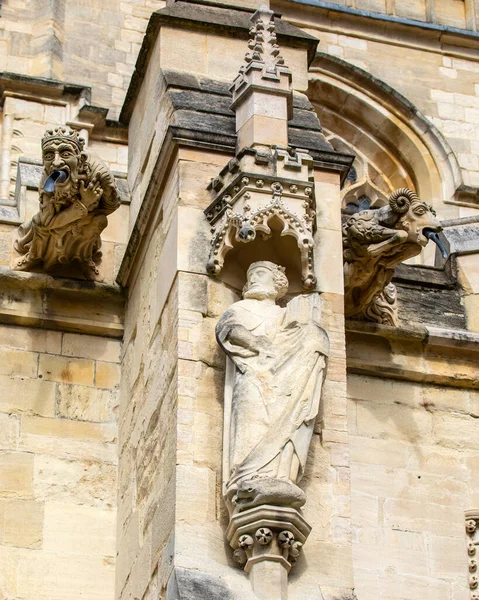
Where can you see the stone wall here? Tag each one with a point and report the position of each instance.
(413, 474)
(87, 42)
(58, 463)
(438, 75)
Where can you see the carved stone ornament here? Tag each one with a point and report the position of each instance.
(275, 367)
(374, 242)
(258, 192)
(77, 192)
(472, 531)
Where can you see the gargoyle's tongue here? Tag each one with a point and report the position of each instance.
(432, 235)
(58, 176)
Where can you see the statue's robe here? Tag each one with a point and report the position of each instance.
(273, 397)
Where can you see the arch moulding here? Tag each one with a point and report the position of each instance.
(370, 115)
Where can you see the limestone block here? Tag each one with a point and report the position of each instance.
(85, 403)
(418, 588)
(9, 428)
(193, 54)
(68, 429)
(66, 370)
(73, 577)
(390, 453)
(423, 516)
(73, 529)
(261, 104)
(393, 421)
(328, 261)
(19, 363)
(384, 390)
(365, 510)
(93, 347)
(107, 375)
(455, 431)
(16, 475)
(263, 130)
(23, 524)
(34, 340)
(118, 226)
(328, 201)
(86, 482)
(196, 492)
(469, 272)
(390, 558)
(27, 396)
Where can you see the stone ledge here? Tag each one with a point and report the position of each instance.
(420, 353)
(36, 300)
(434, 336)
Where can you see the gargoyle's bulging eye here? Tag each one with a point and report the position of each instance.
(419, 211)
(48, 156)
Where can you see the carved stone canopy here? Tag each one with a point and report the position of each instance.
(257, 192)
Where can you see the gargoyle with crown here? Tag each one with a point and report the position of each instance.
(77, 192)
(374, 243)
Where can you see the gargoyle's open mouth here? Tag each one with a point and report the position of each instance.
(56, 176)
(431, 234)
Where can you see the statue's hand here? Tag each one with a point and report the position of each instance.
(90, 195)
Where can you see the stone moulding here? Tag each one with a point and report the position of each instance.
(332, 80)
(472, 532)
(260, 191)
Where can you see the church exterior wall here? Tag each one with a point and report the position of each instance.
(111, 415)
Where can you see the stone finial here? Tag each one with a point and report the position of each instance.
(77, 192)
(262, 94)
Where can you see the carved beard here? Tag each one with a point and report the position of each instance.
(260, 293)
(66, 195)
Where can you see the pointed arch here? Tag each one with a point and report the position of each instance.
(389, 131)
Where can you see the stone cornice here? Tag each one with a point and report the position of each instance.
(36, 300)
(421, 353)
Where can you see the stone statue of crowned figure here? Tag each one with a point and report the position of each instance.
(77, 192)
(275, 368)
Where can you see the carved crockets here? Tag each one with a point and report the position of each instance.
(374, 242)
(77, 192)
(472, 531)
(275, 367)
(257, 193)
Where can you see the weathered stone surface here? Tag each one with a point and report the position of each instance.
(187, 584)
(71, 235)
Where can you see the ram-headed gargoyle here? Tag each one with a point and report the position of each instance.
(374, 242)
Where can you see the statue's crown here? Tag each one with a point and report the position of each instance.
(61, 133)
(271, 266)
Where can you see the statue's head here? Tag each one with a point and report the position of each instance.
(265, 279)
(62, 149)
(414, 215)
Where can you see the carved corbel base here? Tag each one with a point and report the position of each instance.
(267, 540)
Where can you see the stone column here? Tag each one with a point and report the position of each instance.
(174, 530)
